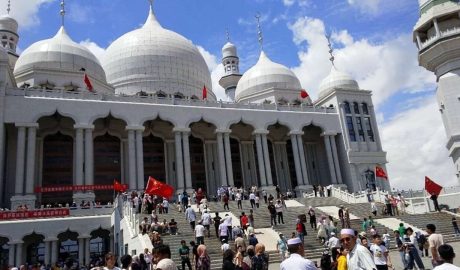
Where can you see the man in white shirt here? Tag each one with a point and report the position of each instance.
(296, 260)
(359, 257)
(333, 244)
(446, 252)
(206, 220)
(199, 233)
(223, 231)
(435, 240)
(224, 246)
(380, 253)
(279, 211)
(190, 216)
(252, 199)
(238, 197)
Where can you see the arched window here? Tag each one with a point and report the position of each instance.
(282, 101)
(161, 94)
(4, 37)
(351, 129)
(178, 96)
(356, 107)
(365, 109)
(347, 107)
(194, 97)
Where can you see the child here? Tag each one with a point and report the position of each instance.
(342, 259)
(386, 238)
(380, 253)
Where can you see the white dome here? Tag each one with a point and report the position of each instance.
(229, 50)
(59, 54)
(7, 23)
(339, 80)
(264, 75)
(153, 59)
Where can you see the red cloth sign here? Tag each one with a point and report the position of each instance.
(77, 188)
(155, 187)
(432, 187)
(43, 213)
(118, 187)
(379, 172)
(304, 94)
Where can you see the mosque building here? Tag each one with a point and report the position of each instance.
(147, 108)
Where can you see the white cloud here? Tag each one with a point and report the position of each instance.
(415, 142)
(366, 6)
(301, 3)
(386, 68)
(217, 71)
(94, 48)
(25, 11)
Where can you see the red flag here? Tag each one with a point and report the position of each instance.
(431, 187)
(205, 93)
(155, 187)
(118, 187)
(379, 172)
(304, 94)
(89, 86)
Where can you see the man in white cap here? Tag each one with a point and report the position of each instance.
(296, 261)
(359, 257)
(333, 244)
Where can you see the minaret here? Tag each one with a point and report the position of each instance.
(9, 35)
(231, 63)
(437, 36)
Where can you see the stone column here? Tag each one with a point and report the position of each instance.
(54, 250)
(228, 159)
(87, 254)
(19, 259)
(140, 159)
(11, 254)
(78, 156)
(20, 152)
(303, 163)
(436, 27)
(31, 151)
(260, 160)
(268, 169)
(335, 155)
(179, 161)
(81, 250)
(187, 169)
(330, 160)
(132, 160)
(346, 134)
(221, 155)
(295, 152)
(89, 156)
(375, 128)
(47, 254)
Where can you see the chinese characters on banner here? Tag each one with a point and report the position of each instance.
(8, 215)
(76, 188)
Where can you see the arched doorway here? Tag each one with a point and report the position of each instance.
(34, 248)
(315, 156)
(68, 246)
(236, 162)
(4, 251)
(57, 167)
(99, 244)
(279, 162)
(107, 164)
(242, 145)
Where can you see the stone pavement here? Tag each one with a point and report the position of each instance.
(397, 260)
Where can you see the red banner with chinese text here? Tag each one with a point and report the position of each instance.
(43, 213)
(77, 188)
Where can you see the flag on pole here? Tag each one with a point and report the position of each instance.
(155, 187)
(205, 93)
(304, 94)
(432, 187)
(379, 172)
(87, 81)
(118, 187)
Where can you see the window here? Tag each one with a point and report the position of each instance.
(347, 107)
(161, 95)
(365, 109)
(351, 129)
(356, 107)
(359, 123)
(178, 96)
(369, 131)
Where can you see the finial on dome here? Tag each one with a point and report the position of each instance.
(8, 9)
(259, 32)
(227, 34)
(151, 4)
(62, 12)
(331, 49)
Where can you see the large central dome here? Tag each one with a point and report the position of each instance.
(155, 60)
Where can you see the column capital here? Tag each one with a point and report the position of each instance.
(135, 128)
(83, 126)
(179, 129)
(328, 133)
(14, 242)
(260, 132)
(26, 125)
(295, 132)
(223, 131)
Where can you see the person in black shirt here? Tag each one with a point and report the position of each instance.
(272, 210)
(184, 253)
(217, 219)
(227, 263)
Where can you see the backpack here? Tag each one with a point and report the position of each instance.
(260, 262)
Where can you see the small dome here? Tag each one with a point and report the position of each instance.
(339, 80)
(265, 75)
(7, 23)
(229, 50)
(153, 59)
(59, 53)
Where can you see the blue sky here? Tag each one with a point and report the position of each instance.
(372, 39)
